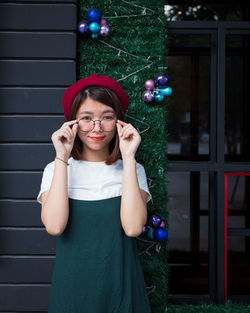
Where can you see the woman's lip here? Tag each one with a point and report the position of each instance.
(97, 138)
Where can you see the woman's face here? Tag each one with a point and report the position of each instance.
(97, 138)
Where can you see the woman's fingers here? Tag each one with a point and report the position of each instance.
(66, 129)
(69, 123)
(126, 128)
(127, 133)
(74, 129)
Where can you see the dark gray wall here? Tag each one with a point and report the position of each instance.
(37, 63)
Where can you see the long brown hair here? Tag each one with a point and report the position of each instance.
(105, 96)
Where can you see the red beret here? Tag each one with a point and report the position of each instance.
(93, 80)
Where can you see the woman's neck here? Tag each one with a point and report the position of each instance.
(94, 156)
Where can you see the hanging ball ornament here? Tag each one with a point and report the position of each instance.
(149, 84)
(160, 234)
(83, 28)
(156, 89)
(159, 97)
(104, 31)
(155, 228)
(162, 224)
(161, 80)
(95, 25)
(144, 229)
(155, 220)
(147, 96)
(166, 91)
(150, 233)
(94, 15)
(103, 22)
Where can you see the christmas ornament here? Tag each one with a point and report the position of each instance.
(154, 220)
(157, 89)
(150, 233)
(160, 234)
(95, 25)
(155, 228)
(83, 27)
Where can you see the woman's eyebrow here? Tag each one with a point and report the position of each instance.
(91, 113)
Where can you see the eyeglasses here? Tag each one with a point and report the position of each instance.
(107, 123)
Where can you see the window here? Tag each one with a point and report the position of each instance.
(208, 136)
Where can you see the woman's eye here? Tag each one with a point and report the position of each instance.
(108, 117)
(86, 118)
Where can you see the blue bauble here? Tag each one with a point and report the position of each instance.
(161, 80)
(155, 220)
(83, 27)
(94, 27)
(94, 15)
(150, 233)
(160, 234)
(166, 91)
(159, 97)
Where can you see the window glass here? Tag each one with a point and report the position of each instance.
(188, 232)
(188, 107)
(237, 114)
(238, 246)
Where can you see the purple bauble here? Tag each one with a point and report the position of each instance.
(149, 84)
(147, 96)
(94, 15)
(103, 22)
(161, 80)
(83, 27)
(162, 224)
(160, 234)
(104, 31)
(144, 229)
(155, 220)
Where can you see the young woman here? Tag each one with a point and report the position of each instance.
(94, 199)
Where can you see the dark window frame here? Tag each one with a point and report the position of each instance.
(216, 166)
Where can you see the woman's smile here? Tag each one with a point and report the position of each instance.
(97, 138)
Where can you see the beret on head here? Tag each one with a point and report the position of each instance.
(93, 80)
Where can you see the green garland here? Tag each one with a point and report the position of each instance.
(143, 36)
(209, 308)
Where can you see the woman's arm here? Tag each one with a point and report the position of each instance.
(55, 204)
(134, 200)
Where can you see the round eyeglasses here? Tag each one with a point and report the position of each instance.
(107, 123)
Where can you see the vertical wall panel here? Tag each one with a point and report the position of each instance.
(37, 63)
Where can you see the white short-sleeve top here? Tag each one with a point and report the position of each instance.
(93, 180)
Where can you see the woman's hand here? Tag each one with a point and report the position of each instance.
(129, 139)
(63, 139)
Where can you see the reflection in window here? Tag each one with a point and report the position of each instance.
(238, 246)
(237, 129)
(188, 232)
(188, 111)
(176, 11)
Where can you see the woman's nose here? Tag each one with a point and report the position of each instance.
(97, 125)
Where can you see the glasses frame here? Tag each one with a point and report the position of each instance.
(100, 122)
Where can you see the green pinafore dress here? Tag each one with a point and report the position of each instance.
(97, 267)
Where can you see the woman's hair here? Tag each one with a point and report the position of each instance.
(105, 96)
